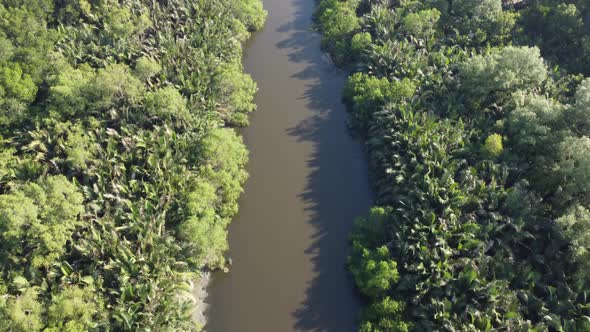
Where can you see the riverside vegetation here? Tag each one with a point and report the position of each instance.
(119, 167)
(476, 117)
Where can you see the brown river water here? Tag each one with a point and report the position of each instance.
(308, 182)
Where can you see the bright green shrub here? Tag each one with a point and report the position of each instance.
(360, 44)
(14, 83)
(250, 13)
(367, 94)
(339, 22)
(385, 315)
(146, 68)
(59, 206)
(375, 272)
(236, 94)
(166, 103)
(493, 146)
(225, 156)
(112, 85)
(22, 313)
(79, 147)
(75, 309)
(68, 94)
(204, 230)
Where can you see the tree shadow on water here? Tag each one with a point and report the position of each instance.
(337, 189)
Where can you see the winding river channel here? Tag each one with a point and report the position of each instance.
(308, 182)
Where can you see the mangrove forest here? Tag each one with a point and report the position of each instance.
(120, 167)
(412, 165)
(475, 116)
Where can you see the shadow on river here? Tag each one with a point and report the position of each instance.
(308, 182)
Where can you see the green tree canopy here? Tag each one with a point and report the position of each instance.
(502, 72)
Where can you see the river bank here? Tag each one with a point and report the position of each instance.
(198, 291)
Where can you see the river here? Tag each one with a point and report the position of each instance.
(308, 182)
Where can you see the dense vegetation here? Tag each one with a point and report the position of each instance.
(476, 115)
(119, 167)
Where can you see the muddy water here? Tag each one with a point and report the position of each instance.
(308, 181)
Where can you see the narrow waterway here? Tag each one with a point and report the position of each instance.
(308, 181)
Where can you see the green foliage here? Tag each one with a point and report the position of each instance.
(578, 116)
(226, 157)
(478, 155)
(59, 205)
(6, 49)
(493, 146)
(74, 309)
(482, 21)
(114, 85)
(22, 313)
(503, 72)
(560, 29)
(573, 168)
(421, 24)
(205, 229)
(17, 212)
(207, 236)
(166, 103)
(482, 10)
(534, 130)
(236, 93)
(68, 91)
(120, 21)
(16, 84)
(532, 125)
(381, 21)
(360, 43)
(39, 220)
(117, 177)
(8, 165)
(17, 91)
(146, 68)
(250, 13)
(76, 91)
(574, 226)
(368, 93)
(79, 148)
(339, 22)
(376, 273)
(385, 316)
